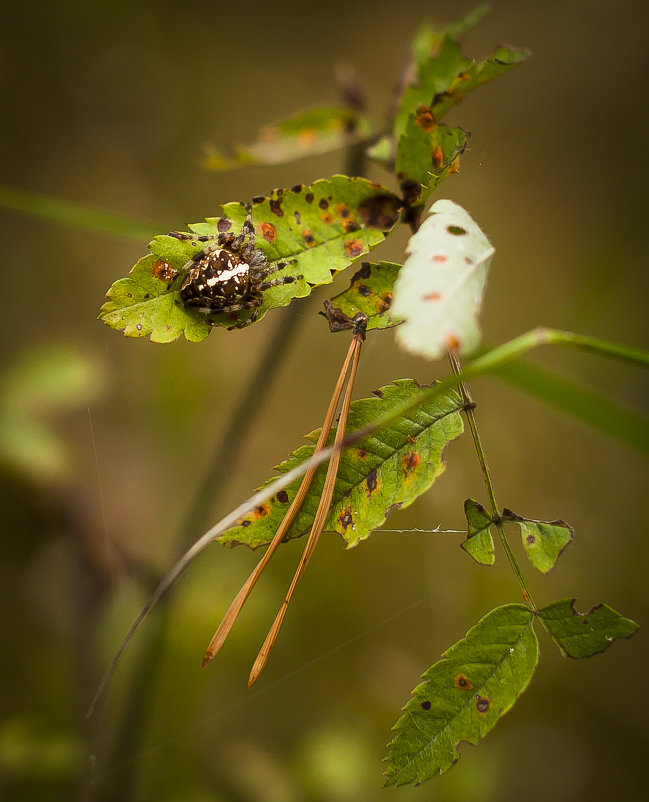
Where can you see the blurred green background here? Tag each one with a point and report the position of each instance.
(105, 441)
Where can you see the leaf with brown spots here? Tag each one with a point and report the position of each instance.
(288, 230)
(582, 635)
(463, 695)
(370, 293)
(544, 541)
(307, 133)
(439, 290)
(371, 478)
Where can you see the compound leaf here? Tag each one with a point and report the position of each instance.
(439, 289)
(543, 541)
(370, 293)
(426, 155)
(315, 231)
(382, 472)
(582, 635)
(479, 543)
(464, 694)
(304, 134)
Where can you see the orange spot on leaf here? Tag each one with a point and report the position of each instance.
(432, 296)
(346, 519)
(307, 136)
(452, 342)
(384, 303)
(261, 512)
(410, 463)
(354, 248)
(163, 271)
(268, 231)
(308, 237)
(327, 218)
(438, 157)
(425, 119)
(361, 453)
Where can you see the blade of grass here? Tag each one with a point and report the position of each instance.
(77, 215)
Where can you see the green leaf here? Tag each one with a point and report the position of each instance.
(543, 541)
(479, 543)
(442, 81)
(316, 231)
(584, 403)
(464, 694)
(426, 155)
(370, 293)
(585, 634)
(305, 134)
(439, 289)
(385, 471)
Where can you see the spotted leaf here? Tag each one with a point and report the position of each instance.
(582, 635)
(479, 543)
(314, 231)
(543, 541)
(463, 695)
(439, 289)
(380, 473)
(370, 293)
(426, 155)
(305, 134)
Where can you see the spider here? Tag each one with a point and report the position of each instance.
(229, 275)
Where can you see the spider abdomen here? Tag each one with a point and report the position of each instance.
(217, 279)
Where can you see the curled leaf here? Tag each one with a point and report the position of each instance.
(479, 543)
(370, 292)
(439, 289)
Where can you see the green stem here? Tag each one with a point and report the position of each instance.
(469, 411)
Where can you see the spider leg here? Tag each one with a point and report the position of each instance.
(183, 235)
(247, 230)
(277, 282)
(270, 269)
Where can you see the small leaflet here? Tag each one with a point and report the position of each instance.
(543, 541)
(439, 289)
(581, 635)
(479, 543)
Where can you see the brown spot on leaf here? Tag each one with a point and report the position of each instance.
(297, 188)
(364, 290)
(361, 453)
(397, 505)
(309, 197)
(438, 157)
(482, 704)
(282, 496)
(531, 540)
(379, 211)
(425, 119)
(163, 271)
(224, 224)
(426, 704)
(411, 190)
(262, 511)
(410, 463)
(385, 302)
(245, 522)
(276, 207)
(268, 231)
(342, 210)
(346, 519)
(454, 167)
(411, 439)
(298, 219)
(372, 482)
(323, 203)
(258, 198)
(463, 682)
(350, 225)
(354, 248)
(308, 237)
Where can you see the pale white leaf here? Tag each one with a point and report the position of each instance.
(439, 290)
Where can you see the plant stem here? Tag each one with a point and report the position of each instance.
(469, 411)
